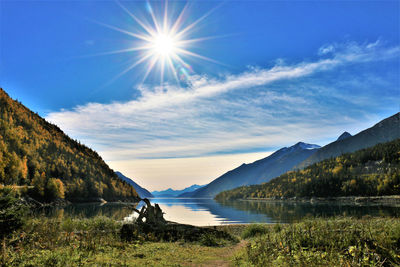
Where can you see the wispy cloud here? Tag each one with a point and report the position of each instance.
(259, 109)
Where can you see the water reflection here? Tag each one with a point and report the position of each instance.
(200, 212)
(287, 212)
(204, 212)
(88, 210)
(210, 212)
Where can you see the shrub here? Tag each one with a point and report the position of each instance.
(210, 240)
(255, 230)
(12, 212)
(54, 189)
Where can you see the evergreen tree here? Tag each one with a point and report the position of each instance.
(12, 212)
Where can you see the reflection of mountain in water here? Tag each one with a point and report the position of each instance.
(286, 212)
(231, 213)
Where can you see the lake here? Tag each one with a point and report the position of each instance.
(204, 212)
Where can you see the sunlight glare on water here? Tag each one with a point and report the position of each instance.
(186, 211)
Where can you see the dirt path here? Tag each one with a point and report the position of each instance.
(226, 256)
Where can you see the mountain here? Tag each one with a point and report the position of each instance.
(143, 193)
(176, 193)
(374, 171)
(38, 154)
(344, 136)
(260, 171)
(189, 192)
(384, 131)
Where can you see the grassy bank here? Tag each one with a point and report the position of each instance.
(323, 242)
(314, 242)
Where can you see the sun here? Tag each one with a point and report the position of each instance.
(165, 45)
(163, 42)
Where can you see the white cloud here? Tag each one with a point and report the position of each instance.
(326, 49)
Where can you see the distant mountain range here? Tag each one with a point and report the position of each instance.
(259, 171)
(382, 132)
(300, 156)
(176, 193)
(143, 193)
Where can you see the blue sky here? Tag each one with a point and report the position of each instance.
(288, 71)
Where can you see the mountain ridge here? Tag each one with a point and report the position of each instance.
(176, 193)
(344, 136)
(143, 192)
(385, 130)
(259, 171)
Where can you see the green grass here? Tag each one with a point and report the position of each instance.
(313, 242)
(255, 230)
(146, 254)
(97, 242)
(324, 242)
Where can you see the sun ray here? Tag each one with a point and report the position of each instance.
(142, 59)
(139, 36)
(178, 58)
(150, 67)
(171, 64)
(178, 21)
(191, 26)
(126, 50)
(154, 18)
(165, 23)
(183, 51)
(147, 28)
(196, 40)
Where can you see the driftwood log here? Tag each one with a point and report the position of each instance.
(152, 214)
(151, 224)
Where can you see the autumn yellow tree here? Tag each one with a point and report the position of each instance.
(54, 189)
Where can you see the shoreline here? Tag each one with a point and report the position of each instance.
(378, 200)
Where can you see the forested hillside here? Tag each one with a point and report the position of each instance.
(36, 153)
(373, 171)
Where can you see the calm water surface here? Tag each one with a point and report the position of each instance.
(204, 212)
